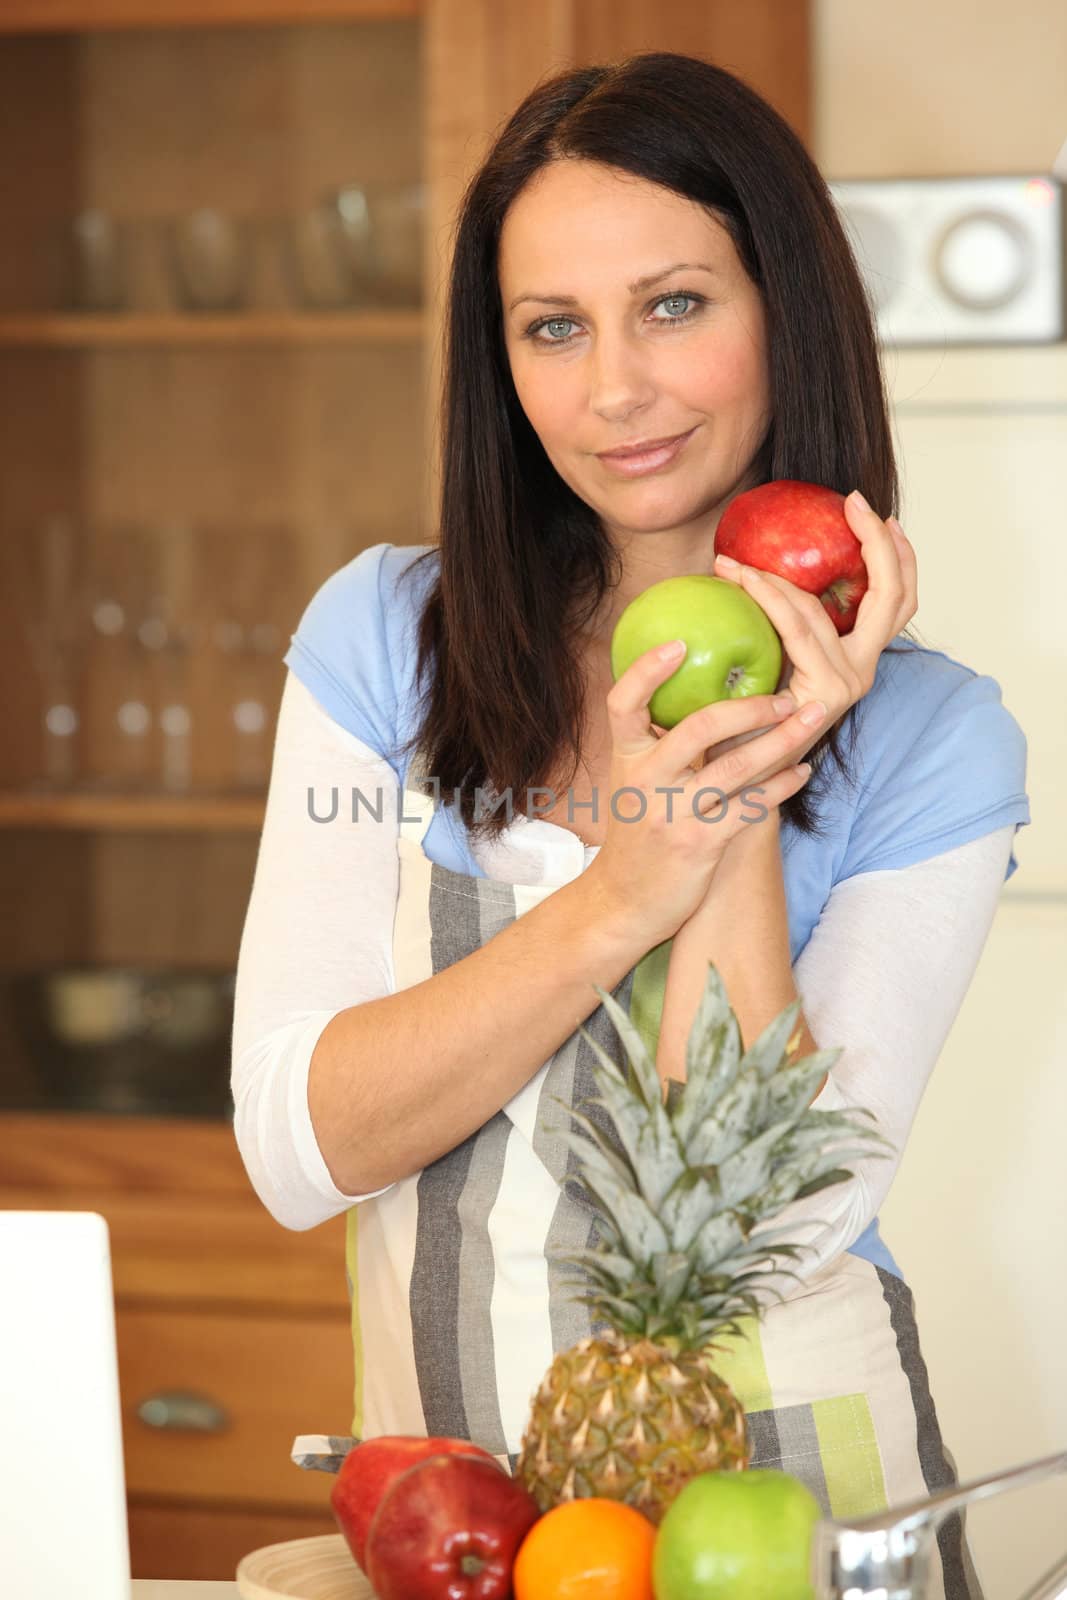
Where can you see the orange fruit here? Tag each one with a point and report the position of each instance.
(592, 1549)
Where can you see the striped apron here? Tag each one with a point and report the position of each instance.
(459, 1301)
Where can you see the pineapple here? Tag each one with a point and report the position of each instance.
(635, 1412)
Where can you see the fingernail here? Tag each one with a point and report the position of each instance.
(675, 648)
(813, 713)
(728, 562)
(860, 501)
(783, 702)
(893, 523)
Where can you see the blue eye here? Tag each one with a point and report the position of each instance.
(695, 300)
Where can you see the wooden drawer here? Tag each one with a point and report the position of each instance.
(207, 1250)
(208, 1541)
(272, 1377)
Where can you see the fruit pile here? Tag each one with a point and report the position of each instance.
(634, 1477)
(438, 1519)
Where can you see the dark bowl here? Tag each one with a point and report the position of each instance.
(124, 1039)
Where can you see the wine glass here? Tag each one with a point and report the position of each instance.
(45, 575)
(257, 591)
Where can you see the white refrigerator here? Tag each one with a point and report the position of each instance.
(977, 1217)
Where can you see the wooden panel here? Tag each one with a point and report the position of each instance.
(40, 399)
(143, 898)
(86, 1153)
(273, 1377)
(207, 1541)
(765, 42)
(79, 811)
(45, 884)
(68, 330)
(76, 15)
(252, 121)
(208, 1250)
(39, 178)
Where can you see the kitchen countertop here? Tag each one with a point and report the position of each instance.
(182, 1589)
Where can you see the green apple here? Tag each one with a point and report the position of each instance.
(737, 1536)
(732, 649)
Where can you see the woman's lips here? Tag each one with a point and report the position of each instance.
(648, 460)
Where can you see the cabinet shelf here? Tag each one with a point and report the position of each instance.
(37, 16)
(62, 331)
(131, 813)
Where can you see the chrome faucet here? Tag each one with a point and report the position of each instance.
(887, 1556)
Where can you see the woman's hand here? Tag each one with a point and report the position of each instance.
(820, 663)
(666, 827)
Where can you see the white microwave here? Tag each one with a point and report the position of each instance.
(974, 260)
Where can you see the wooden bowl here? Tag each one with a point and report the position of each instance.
(302, 1569)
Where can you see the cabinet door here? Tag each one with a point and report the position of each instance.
(983, 506)
(205, 1542)
(259, 1380)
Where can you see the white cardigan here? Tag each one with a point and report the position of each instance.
(317, 939)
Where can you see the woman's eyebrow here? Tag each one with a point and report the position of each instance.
(633, 288)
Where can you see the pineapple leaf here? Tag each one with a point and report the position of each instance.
(712, 1056)
(824, 1123)
(646, 1078)
(620, 1313)
(646, 1133)
(750, 1167)
(824, 1181)
(767, 1052)
(640, 1231)
(725, 1131)
(607, 1267)
(598, 1157)
(692, 1199)
(718, 1235)
(670, 1274)
(786, 1182)
(789, 1091)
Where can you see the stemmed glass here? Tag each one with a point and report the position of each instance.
(117, 600)
(170, 629)
(45, 575)
(256, 591)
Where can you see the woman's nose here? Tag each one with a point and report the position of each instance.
(619, 379)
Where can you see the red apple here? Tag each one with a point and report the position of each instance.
(799, 531)
(368, 1470)
(448, 1529)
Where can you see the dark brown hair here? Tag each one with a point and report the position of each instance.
(522, 558)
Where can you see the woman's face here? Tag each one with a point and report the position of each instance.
(599, 363)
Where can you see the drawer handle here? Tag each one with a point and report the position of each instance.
(183, 1412)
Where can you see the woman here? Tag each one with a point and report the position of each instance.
(646, 253)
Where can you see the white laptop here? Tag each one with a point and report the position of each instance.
(63, 1533)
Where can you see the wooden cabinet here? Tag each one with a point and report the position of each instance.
(225, 436)
(233, 1334)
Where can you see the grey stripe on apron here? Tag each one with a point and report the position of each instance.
(452, 1278)
(961, 1580)
(780, 1436)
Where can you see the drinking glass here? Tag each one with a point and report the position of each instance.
(396, 215)
(319, 266)
(95, 262)
(210, 256)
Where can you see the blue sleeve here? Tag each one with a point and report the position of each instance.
(341, 652)
(950, 767)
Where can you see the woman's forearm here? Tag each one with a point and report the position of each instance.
(742, 926)
(396, 1082)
